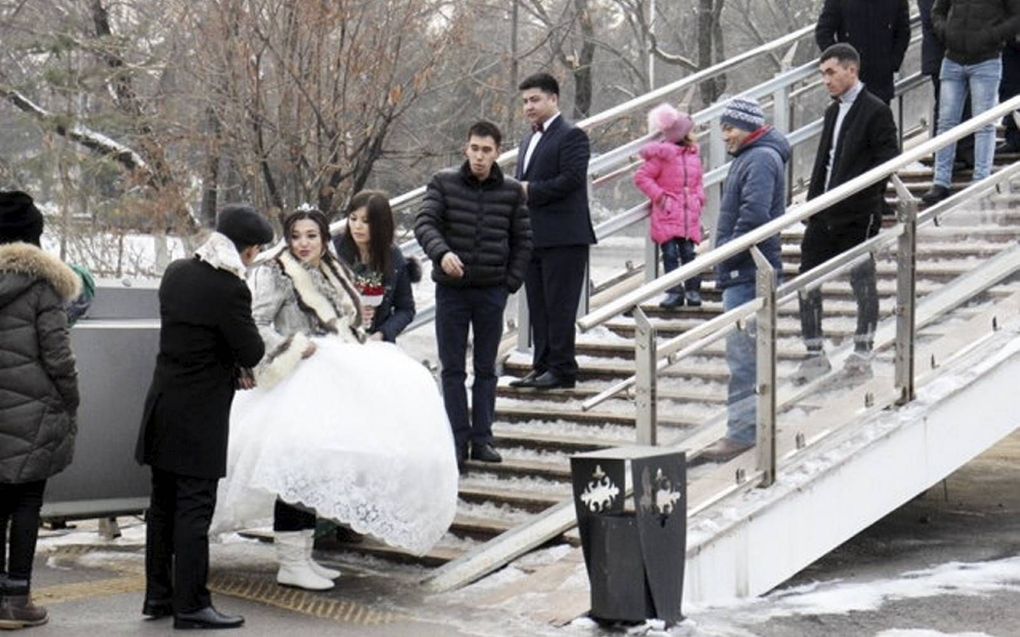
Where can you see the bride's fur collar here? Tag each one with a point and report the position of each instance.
(314, 301)
(32, 261)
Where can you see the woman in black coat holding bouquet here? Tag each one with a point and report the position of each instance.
(382, 274)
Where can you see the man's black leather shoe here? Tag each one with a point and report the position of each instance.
(485, 453)
(158, 608)
(526, 381)
(207, 618)
(461, 459)
(550, 380)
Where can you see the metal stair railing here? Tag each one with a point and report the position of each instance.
(769, 295)
(778, 93)
(615, 159)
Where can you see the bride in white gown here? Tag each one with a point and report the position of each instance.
(339, 426)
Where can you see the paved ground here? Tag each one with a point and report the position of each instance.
(868, 586)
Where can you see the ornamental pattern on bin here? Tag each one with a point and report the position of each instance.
(600, 492)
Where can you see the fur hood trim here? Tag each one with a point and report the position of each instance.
(281, 362)
(32, 261)
(666, 150)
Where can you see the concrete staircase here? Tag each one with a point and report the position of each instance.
(538, 431)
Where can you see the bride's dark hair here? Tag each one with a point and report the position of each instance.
(315, 215)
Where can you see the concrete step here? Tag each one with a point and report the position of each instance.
(511, 495)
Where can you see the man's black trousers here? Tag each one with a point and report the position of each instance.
(554, 281)
(177, 540)
(481, 311)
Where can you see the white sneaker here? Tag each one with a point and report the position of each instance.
(814, 366)
(295, 563)
(858, 365)
(319, 569)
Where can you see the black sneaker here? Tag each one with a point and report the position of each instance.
(672, 301)
(935, 195)
(693, 299)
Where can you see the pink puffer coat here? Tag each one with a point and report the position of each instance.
(673, 175)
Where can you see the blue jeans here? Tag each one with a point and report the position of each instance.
(741, 358)
(675, 252)
(982, 80)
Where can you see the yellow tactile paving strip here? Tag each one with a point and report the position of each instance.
(259, 589)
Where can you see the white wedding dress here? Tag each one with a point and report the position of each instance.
(358, 433)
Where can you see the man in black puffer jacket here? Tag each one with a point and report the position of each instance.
(474, 227)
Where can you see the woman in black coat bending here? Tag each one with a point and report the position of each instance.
(381, 272)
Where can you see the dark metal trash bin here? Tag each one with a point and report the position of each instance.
(634, 556)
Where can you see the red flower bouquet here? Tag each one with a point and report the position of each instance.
(370, 285)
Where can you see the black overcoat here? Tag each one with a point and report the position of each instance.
(878, 29)
(557, 177)
(867, 138)
(207, 331)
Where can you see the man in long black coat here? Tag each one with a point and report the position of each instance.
(207, 336)
(859, 134)
(878, 29)
(553, 168)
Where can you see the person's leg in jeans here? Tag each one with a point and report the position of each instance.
(1010, 87)
(815, 249)
(742, 363)
(671, 260)
(487, 329)
(862, 281)
(984, 93)
(453, 317)
(687, 254)
(23, 503)
(952, 90)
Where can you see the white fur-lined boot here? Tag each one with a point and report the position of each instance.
(293, 553)
(319, 569)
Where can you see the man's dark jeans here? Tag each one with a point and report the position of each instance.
(820, 244)
(481, 310)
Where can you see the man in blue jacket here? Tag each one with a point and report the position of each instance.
(754, 194)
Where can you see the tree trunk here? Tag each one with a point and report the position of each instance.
(710, 47)
(583, 64)
(211, 174)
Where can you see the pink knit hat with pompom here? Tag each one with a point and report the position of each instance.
(673, 124)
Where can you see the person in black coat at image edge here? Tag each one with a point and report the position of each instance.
(207, 340)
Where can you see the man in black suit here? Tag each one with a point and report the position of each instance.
(553, 169)
(207, 338)
(859, 134)
(878, 29)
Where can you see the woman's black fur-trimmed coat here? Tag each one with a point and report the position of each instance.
(38, 380)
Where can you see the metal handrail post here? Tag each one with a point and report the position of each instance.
(651, 253)
(523, 322)
(906, 296)
(716, 159)
(765, 387)
(646, 381)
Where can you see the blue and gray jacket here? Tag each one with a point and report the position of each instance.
(754, 193)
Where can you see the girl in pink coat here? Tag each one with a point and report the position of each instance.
(671, 177)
